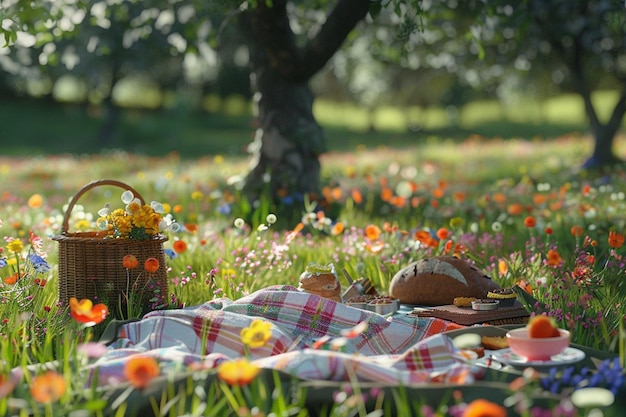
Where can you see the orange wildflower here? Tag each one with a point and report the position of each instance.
(553, 258)
(539, 199)
(178, 208)
(426, 239)
(459, 196)
(191, 227)
(130, 262)
(337, 229)
(503, 267)
(448, 247)
(438, 192)
(48, 387)
(84, 311)
(237, 372)
(397, 201)
(443, 233)
(530, 221)
(515, 209)
(11, 280)
(140, 370)
(616, 240)
(525, 285)
(151, 265)
(499, 198)
(484, 408)
(336, 193)
(372, 232)
(35, 201)
(357, 197)
(386, 194)
(179, 246)
(415, 202)
(576, 230)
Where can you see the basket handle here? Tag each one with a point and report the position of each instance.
(89, 186)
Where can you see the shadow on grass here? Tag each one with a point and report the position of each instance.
(43, 127)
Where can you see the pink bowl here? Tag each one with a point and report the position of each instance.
(537, 349)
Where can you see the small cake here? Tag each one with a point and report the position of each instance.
(321, 280)
(506, 296)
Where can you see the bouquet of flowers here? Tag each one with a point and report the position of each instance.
(136, 221)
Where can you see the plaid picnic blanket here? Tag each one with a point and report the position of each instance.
(400, 349)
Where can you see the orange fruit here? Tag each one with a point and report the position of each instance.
(542, 326)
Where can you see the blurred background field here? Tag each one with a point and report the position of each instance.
(36, 127)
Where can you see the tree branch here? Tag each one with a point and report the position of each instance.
(269, 26)
(340, 22)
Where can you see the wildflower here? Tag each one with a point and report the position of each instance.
(151, 265)
(372, 232)
(553, 258)
(257, 334)
(15, 246)
(456, 222)
(515, 209)
(503, 267)
(271, 218)
(548, 230)
(443, 233)
(357, 197)
(337, 229)
(616, 240)
(130, 262)
(85, 312)
(39, 264)
(530, 221)
(237, 372)
(576, 231)
(48, 387)
(484, 408)
(140, 370)
(35, 201)
(239, 223)
(11, 280)
(179, 246)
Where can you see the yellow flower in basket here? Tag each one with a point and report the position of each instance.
(136, 221)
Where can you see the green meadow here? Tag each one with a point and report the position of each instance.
(480, 180)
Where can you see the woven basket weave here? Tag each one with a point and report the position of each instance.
(90, 263)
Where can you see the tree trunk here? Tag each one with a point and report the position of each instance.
(604, 133)
(288, 142)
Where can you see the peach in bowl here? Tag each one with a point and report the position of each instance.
(537, 348)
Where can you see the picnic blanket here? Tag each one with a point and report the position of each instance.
(400, 349)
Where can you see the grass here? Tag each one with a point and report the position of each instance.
(480, 188)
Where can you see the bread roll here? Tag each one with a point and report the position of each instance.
(438, 281)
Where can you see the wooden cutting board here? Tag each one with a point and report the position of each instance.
(516, 314)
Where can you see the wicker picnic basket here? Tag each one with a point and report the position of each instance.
(90, 263)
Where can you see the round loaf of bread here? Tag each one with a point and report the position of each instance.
(438, 281)
(321, 280)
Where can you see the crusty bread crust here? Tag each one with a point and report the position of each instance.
(438, 280)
